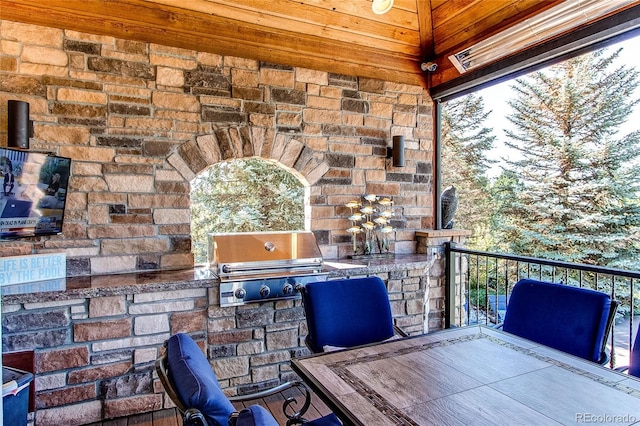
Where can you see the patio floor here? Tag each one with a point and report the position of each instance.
(171, 416)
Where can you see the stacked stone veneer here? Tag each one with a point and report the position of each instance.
(140, 120)
(95, 356)
(431, 243)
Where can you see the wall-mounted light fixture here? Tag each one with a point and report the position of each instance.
(19, 127)
(380, 7)
(397, 151)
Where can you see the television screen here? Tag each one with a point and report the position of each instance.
(33, 193)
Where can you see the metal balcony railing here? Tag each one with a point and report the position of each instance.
(478, 286)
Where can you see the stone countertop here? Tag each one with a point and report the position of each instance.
(373, 265)
(153, 281)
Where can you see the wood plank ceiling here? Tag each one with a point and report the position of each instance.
(341, 36)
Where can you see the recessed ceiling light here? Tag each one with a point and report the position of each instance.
(381, 6)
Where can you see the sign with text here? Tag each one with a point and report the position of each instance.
(32, 268)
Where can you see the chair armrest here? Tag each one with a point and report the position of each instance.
(295, 417)
(254, 415)
(193, 417)
(400, 331)
(268, 392)
(604, 357)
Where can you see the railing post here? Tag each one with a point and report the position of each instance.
(449, 285)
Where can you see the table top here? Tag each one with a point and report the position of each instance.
(471, 375)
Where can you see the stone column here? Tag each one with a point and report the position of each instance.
(431, 243)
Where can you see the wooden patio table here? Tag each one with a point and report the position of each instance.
(471, 375)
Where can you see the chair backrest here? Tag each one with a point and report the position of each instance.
(571, 319)
(634, 361)
(193, 380)
(347, 312)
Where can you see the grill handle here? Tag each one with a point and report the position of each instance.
(259, 267)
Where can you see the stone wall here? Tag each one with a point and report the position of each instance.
(140, 120)
(95, 356)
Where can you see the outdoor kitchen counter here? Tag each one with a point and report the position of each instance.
(375, 265)
(157, 281)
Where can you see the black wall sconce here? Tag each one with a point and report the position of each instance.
(397, 151)
(19, 127)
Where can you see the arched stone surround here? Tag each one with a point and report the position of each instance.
(230, 143)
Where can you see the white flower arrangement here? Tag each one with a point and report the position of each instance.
(371, 218)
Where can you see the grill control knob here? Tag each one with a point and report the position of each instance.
(287, 289)
(298, 288)
(240, 293)
(264, 291)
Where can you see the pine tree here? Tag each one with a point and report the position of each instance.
(464, 162)
(575, 198)
(502, 230)
(244, 195)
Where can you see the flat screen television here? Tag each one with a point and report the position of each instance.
(33, 193)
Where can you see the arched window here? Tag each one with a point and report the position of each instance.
(246, 195)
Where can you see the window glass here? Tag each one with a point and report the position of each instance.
(546, 165)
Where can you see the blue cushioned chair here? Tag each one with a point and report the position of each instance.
(571, 319)
(191, 383)
(347, 312)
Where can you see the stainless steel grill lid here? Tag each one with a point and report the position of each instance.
(263, 266)
(263, 252)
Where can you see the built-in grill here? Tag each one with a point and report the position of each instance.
(264, 266)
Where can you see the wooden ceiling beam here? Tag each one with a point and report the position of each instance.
(425, 20)
(144, 21)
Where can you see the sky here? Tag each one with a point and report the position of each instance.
(496, 97)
